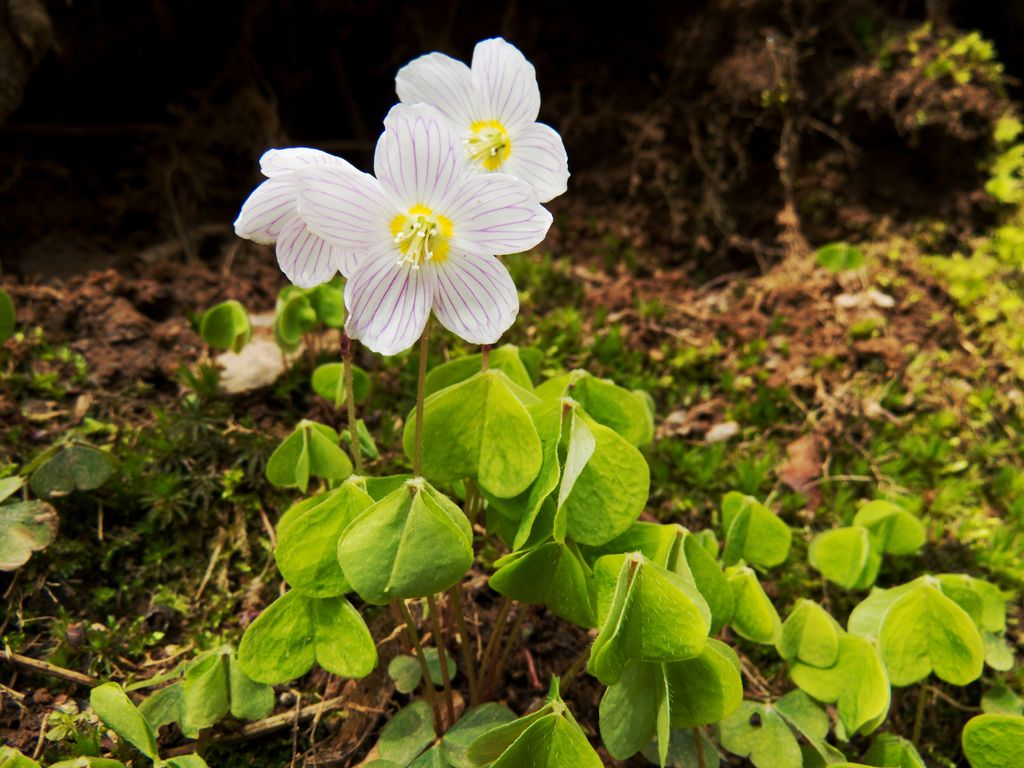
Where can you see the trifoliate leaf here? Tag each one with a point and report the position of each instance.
(629, 709)
(1000, 700)
(754, 617)
(407, 734)
(807, 719)
(75, 467)
(619, 409)
(646, 613)
(116, 710)
(479, 428)
(164, 706)
(892, 750)
(983, 601)
(412, 543)
(810, 635)
(856, 683)
(924, 631)
(405, 672)
(506, 358)
(25, 527)
(552, 741)
(896, 531)
(311, 450)
(308, 535)
(683, 751)
(523, 509)
(293, 318)
(757, 732)
(845, 556)
(205, 697)
(328, 301)
(551, 574)
(709, 578)
(473, 724)
(754, 533)
(866, 618)
(605, 483)
(295, 631)
(329, 382)
(993, 741)
(226, 326)
(706, 688)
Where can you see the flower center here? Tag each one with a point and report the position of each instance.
(421, 235)
(488, 144)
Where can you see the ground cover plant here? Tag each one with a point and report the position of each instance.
(498, 512)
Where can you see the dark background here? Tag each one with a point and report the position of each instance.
(143, 121)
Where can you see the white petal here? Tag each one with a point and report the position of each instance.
(277, 161)
(419, 157)
(475, 297)
(442, 82)
(507, 82)
(349, 261)
(388, 303)
(344, 206)
(538, 157)
(494, 213)
(266, 211)
(306, 259)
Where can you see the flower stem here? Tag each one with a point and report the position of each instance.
(915, 735)
(428, 684)
(467, 652)
(698, 743)
(513, 636)
(442, 656)
(420, 389)
(485, 357)
(350, 398)
(498, 628)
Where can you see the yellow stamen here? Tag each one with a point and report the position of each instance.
(488, 144)
(421, 235)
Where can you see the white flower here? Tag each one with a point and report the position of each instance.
(271, 215)
(494, 107)
(427, 229)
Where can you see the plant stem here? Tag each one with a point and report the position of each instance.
(420, 389)
(915, 735)
(513, 636)
(467, 652)
(578, 665)
(442, 656)
(698, 743)
(350, 399)
(485, 357)
(497, 630)
(428, 685)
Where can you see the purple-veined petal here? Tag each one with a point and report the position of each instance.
(306, 259)
(277, 161)
(538, 158)
(349, 261)
(266, 211)
(419, 157)
(388, 302)
(475, 297)
(507, 83)
(442, 82)
(344, 206)
(494, 213)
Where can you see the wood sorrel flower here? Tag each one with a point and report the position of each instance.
(270, 215)
(494, 108)
(426, 229)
